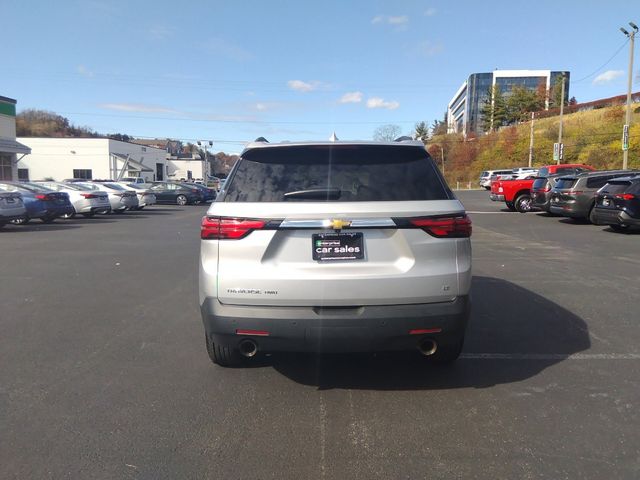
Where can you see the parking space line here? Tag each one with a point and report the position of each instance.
(550, 356)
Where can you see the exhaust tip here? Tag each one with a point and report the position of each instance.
(248, 348)
(427, 347)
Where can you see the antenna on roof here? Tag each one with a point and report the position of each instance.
(261, 139)
(333, 137)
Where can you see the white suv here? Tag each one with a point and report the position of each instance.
(305, 250)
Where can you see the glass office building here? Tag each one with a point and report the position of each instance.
(464, 110)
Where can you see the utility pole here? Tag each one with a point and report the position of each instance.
(442, 153)
(627, 125)
(561, 111)
(533, 116)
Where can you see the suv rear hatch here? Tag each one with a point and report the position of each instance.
(338, 225)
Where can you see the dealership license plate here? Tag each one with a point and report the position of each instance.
(337, 246)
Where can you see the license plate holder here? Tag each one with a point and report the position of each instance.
(345, 246)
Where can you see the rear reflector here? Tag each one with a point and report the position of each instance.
(255, 333)
(445, 227)
(216, 228)
(423, 331)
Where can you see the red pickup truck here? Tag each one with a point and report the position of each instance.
(517, 193)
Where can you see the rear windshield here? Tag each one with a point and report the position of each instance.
(616, 187)
(564, 183)
(544, 172)
(344, 173)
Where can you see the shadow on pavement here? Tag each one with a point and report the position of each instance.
(506, 319)
(37, 226)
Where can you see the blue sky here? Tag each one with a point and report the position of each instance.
(232, 71)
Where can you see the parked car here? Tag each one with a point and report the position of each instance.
(485, 177)
(541, 191)
(574, 195)
(120, 198)
(40, 202)
(85, 201)
(618, 204)
(131, 180)
(208, 194)
(305, 252)
(11, 207)
(517, 193)
(176, 193)
(145, 196)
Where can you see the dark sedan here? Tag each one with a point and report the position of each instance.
(40, 202)
(618, 204)
(208, 194)
(176, 193)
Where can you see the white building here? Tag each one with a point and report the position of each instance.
(193, 168)
(91, 158)
(11, 151)
(464, 111)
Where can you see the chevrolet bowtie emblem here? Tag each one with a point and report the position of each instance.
(338, 224)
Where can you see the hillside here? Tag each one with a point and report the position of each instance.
(591, 137)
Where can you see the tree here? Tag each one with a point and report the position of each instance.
(42, 123)
(494, 110)
(386, 133)
(521, 103)
(421, 132)
(555, 97)
(439, 127)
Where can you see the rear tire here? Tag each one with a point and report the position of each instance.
(447, 353)
(523, 203)
(592, 215)
(20, 221)
(222, 355)
(48, 219)
(68, 216)
(181, 200)
(511, 206)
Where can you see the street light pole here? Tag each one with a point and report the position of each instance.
(627, 125)
(533, 116)
(561, 111)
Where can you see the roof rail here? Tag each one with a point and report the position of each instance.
(404, 138)
(261, 139)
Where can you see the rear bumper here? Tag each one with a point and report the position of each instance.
(375, 328)
(496, 198)
(568, 210)
(614, 217)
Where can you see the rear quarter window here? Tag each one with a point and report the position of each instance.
(564, 183)
(616, 187)
(342, 173)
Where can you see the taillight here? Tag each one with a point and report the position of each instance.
(625, 196)
(216, 228)
(42, 196)
(544, 190)
(445, 227)
(89, 195)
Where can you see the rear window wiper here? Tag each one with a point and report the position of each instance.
(319, 193)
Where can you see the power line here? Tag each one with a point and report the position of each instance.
(603, 65)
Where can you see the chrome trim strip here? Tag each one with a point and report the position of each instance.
(326, 223)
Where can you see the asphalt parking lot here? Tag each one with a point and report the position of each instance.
(105, 375)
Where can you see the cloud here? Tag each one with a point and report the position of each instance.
(607, 77)
(400, 22)
(430, 12)
(224, 48)
(137, 108)
(429, 49)
(84, 71)
(305, 87)
(377, 102)
(351, 97)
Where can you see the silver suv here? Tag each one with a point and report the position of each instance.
(335, 247)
